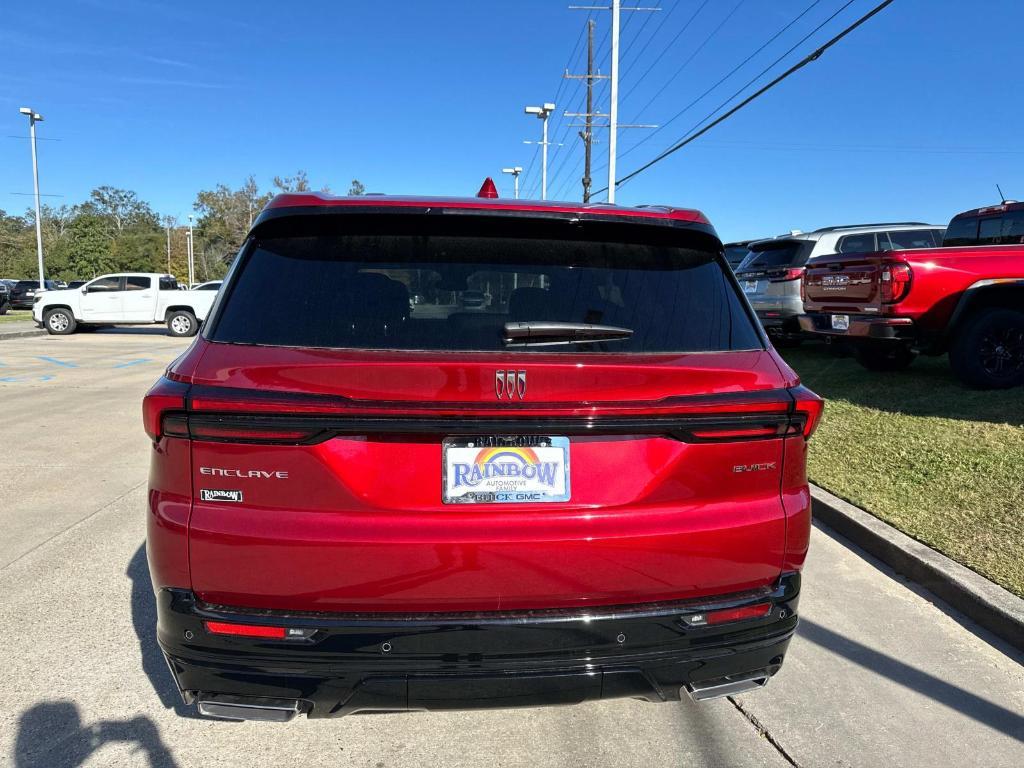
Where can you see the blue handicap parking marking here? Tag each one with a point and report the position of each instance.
(134, 362)
(55, 361)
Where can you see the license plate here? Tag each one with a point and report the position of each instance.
(505, 469)
(750, 286)
(840, 322)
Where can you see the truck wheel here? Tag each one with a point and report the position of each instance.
(988, 350)
(59, 322)
(883, 356)
(182, 323)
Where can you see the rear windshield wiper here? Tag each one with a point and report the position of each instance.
(544, 332)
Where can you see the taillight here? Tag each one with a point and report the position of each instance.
(803, 287)
(895, 282)
(166, 395)
(785, 275)
(232, 429)
(808, 407)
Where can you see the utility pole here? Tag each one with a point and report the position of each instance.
(33, 118)
(168, 247)
(587, 134)
(613, 105)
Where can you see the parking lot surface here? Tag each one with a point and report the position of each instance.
(879, 675)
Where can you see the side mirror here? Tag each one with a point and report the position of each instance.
(84, 290)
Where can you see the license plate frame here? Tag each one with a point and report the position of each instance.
(840, 322)
(505, 469)
(750, 286)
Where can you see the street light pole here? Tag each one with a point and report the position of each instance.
(543, 112)
(515, 178)
(33, 118)
(191, 254)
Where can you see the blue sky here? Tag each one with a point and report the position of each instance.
(915, 116)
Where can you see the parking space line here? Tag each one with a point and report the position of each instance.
(55, 361)
(134, 362)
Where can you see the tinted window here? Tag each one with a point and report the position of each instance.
(105, 284)
(962, 231)
(1007, 229)
(776, 254)
(168, 284)
(137, 283)
(863, 243)
(23, 285)
(910, 238)
(455, 291)
(209, 287)
(735, 254)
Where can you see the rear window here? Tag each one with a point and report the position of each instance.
(735, 254)
(777, 254)
(903, 239)
(416, 283)
(1002, 229)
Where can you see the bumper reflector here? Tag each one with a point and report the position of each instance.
(727, 615)
(245, 630)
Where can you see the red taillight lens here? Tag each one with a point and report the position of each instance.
(809, 407)
(895, 282)
(233, 430)
(165, 395)
(245, 630)
(785, 275)
(728, 615)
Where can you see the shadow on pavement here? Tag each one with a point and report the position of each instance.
(985, 712)
(52, 735)
(144, 622)
(133, 330)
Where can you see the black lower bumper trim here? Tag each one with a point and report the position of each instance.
(440, 663)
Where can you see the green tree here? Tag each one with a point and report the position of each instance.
(356, 188)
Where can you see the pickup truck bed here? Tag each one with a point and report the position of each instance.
(967, 301)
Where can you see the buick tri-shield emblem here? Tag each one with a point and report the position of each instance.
(510, 384)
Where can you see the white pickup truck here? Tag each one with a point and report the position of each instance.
(128, 298)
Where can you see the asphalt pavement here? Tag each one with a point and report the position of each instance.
(880, 674)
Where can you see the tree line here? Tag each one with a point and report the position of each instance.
(116, 231)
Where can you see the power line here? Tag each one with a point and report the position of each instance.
(690, 58)
(796, 67)
(654, 34)
(668, 47)
(558, 91)
(731, 72)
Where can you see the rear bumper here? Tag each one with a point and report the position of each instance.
(350, 663)
(861, 326)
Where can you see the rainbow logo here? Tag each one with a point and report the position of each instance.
(506, 462)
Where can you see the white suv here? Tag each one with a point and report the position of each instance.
(770, 274)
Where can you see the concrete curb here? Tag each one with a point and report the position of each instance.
(994, 608)
(21, 334)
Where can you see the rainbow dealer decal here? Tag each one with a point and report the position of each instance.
(506, 470)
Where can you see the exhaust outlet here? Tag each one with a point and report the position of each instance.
(727, 686)
(247, 708)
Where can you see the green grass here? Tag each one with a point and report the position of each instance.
(943, 463)
(15, 315)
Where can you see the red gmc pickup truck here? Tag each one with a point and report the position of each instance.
(965, 298)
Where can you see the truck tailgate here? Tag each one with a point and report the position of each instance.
(846, 282)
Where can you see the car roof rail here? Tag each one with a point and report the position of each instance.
(879, 224)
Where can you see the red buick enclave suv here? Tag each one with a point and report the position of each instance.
(486, 453)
